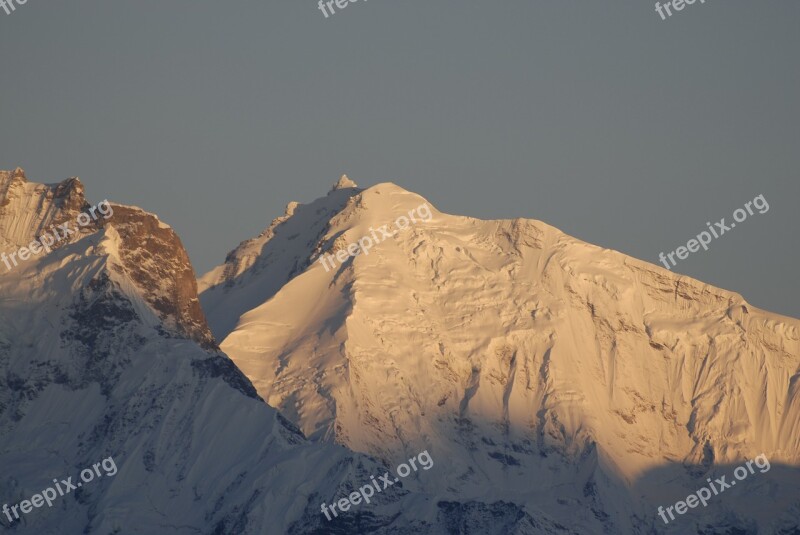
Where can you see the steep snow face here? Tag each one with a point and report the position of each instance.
(258, 268)
(28, 209)
(102, 356)
(538, 369)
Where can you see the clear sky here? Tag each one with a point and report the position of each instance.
(597, 117)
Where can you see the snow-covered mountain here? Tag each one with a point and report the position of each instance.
(105, 352)
(538, 370)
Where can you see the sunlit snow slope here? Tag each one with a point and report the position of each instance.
(538, 369)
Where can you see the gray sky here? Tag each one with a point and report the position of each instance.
(597, 117)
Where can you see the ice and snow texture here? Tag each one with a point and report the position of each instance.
(94, 363)
(559, 387)
(537, 369)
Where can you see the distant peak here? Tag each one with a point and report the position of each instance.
(19, 173)
(344, 182)
(72, 190)
(290, 208)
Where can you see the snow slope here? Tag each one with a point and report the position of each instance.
(104, 352)
(537, 369)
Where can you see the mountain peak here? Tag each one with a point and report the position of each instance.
(506, 325)
(344, 182)
(17, 175)
(147, 251)
(290, 208)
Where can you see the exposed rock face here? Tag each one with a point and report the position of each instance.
(149, 252)
(153, 257)
(344, 183)
(28, 210)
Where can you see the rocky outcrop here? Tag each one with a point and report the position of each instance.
(149, 252)
(153, 257)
